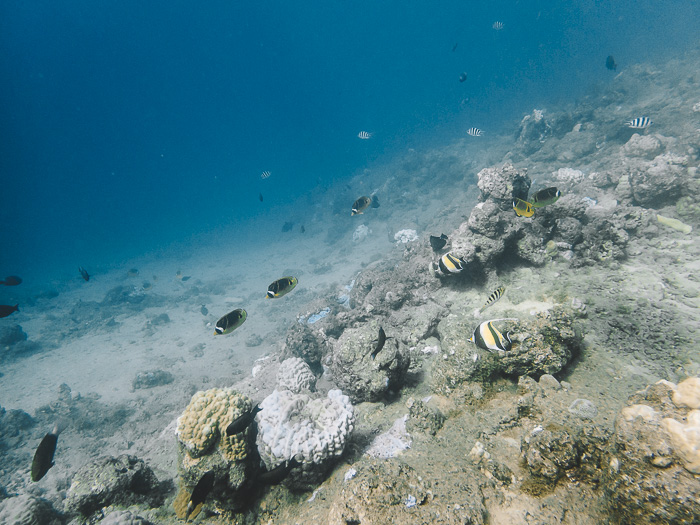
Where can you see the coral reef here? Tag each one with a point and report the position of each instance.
(314, 431)
(203, 443)
(295, 375)
(28, 510)
(124, 480)
(362, 374)
(654, 456)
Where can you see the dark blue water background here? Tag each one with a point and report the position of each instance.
(127, 126)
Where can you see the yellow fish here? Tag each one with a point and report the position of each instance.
(281, 287)
(487, 337)
(523, 208)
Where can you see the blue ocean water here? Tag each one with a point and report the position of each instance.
(129, 126)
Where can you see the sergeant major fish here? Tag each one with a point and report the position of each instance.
(474, 132)
(495, 296)
(639, 123)
(364, 135)
(281, 287)
(230, 321)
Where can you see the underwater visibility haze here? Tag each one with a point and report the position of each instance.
(375, 262)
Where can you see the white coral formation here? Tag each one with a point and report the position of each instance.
(406, 236)
(295, 425)
(360, 233)
(687, 393)
(568, 176)
(295, 375)
(685, 438)
(645, 146)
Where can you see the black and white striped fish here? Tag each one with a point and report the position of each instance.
(265, 174)
(364, 135)
(474, 132)
(495, 296)
(497, 25)
(486, 336)
(639, 123)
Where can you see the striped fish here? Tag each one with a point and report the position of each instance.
(639, 123)
(474, 132)
(265, 174)
(364, 135)
(449, 264)
(487, 337)
(495, 296)
(497, 25)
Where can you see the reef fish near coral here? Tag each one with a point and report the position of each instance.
(43, 457)
(279, 473)
(6, 309)
(199, 494)
(11, 280)
(495, 296)
(487, 337)
(242, 422)
(438, 243)
(449, 264)
(361, 204)
(281, 287)
(230, 321)
(380, 343)
(545, 197)
(523, 208)
(639, 123)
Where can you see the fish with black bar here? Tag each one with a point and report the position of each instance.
(199, 494)
(230, 321)
(243, 421)
(487, 337)
(495, 296)
(361, 204)
(281, 287)
(545, 197)
(523, 208)
(279, 473)
(43, 457)
(449, 264)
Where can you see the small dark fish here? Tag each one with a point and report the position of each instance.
(204, 310)
(230, 322)
(545, 197)
(438, 243)
(281, 287)
(260, 197)
(495, 296)
(302, 229)
(242, 422)
(610, 63)
(462, 77)
(199, 494)
(43, 457)
(639, 123)
(523, 208)
(277, 474)
(6, 309)
(84, 274)
(287, 227)
(380, 343)
(454, 47)
(133, 272)
(11, 280)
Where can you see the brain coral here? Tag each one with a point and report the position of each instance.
(295, 375)
(204, 422)
(295, 425)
